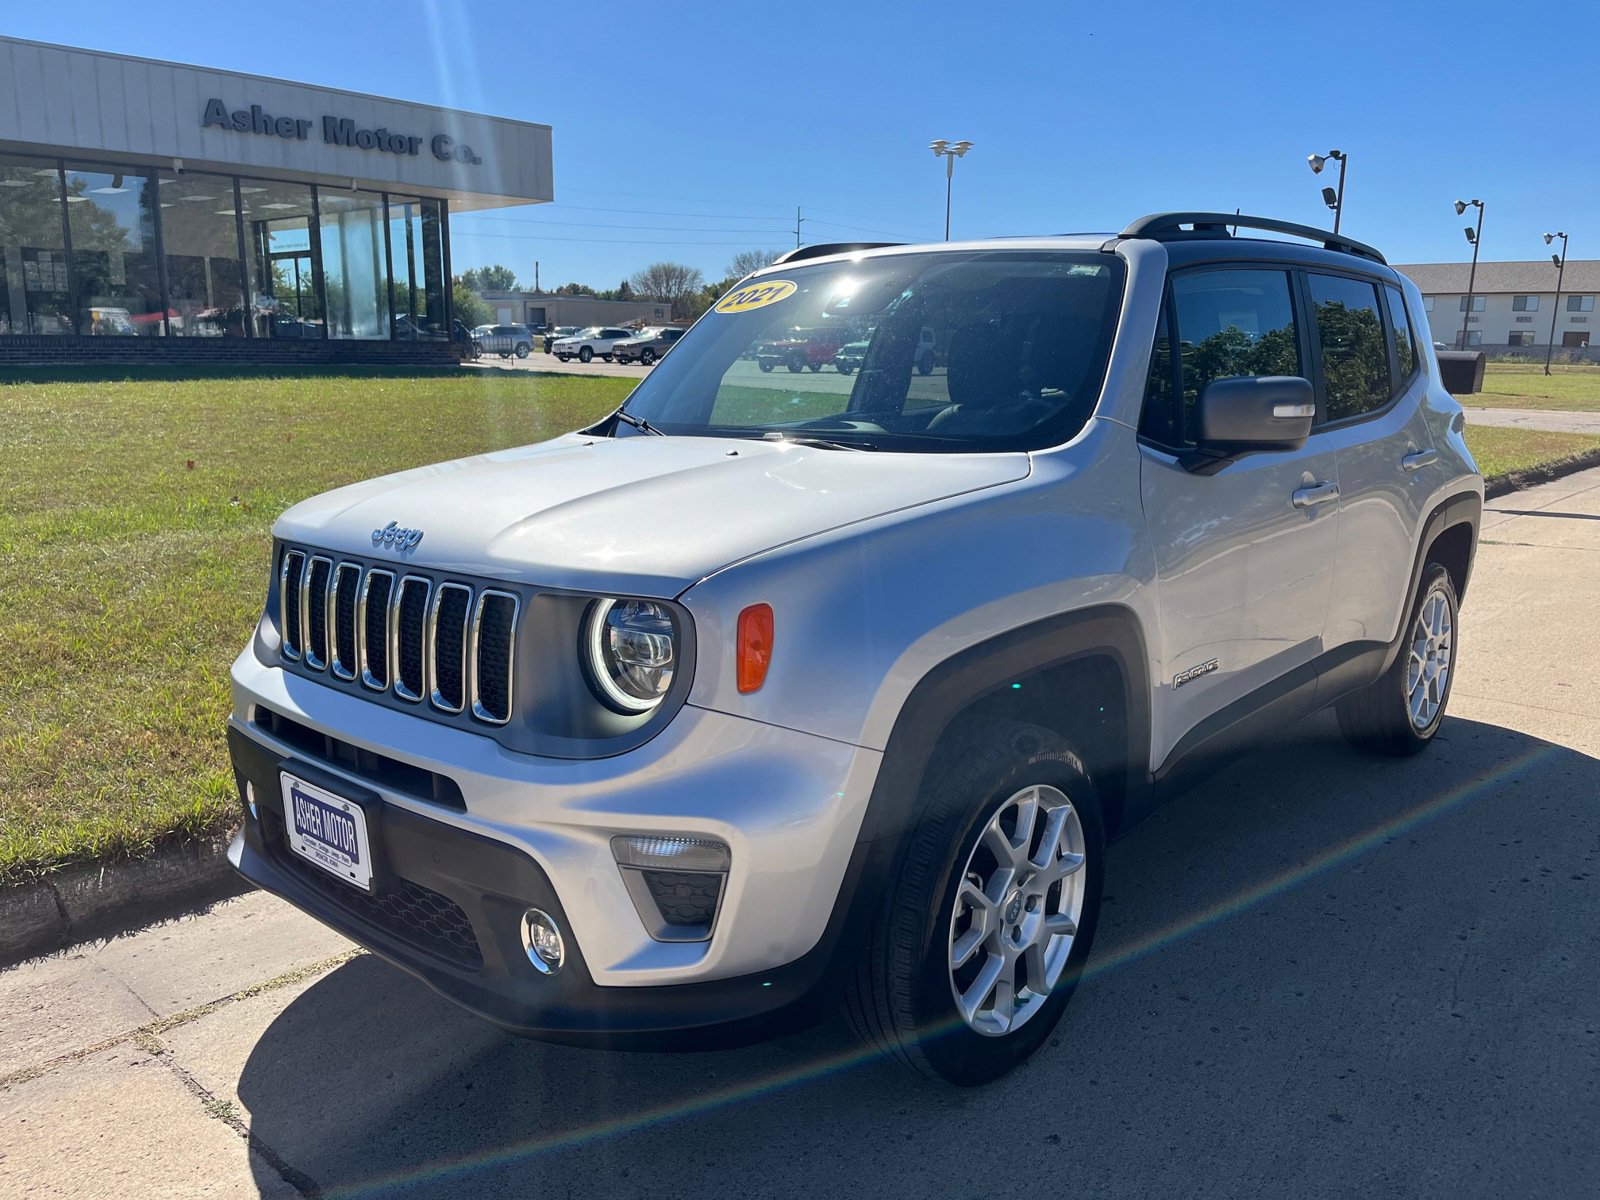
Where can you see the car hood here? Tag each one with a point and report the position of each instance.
(642, 515)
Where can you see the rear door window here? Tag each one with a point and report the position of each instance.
(1350, 340)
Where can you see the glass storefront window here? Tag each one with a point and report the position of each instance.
(199, 235)
(285, 301)
(354, 272)
(35, 284)
(111, 216)
(416, 250)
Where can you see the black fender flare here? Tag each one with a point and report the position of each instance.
(1110, 631)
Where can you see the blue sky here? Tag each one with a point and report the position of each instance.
(691, 131)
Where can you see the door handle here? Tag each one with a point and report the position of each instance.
(1418, 459)
(1317, 493)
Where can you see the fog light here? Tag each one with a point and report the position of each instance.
(541, 939)
(676, 883)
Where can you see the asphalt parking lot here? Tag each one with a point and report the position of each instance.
(1318, 974)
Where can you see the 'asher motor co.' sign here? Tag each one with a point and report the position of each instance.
(336, 131)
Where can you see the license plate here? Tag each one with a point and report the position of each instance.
(327, 831)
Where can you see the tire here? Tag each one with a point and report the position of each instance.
(925, 365)
(797, 363)
(522, 350)
(505, 354)
(766, 367)
(815, 367)
(647, 357)
(1400, 712)
(609, 357)
(564, 357)
(585, 354)
(902, 996)
(844, 369)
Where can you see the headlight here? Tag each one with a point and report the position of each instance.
(630, 653)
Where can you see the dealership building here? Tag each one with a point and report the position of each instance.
(156, 212)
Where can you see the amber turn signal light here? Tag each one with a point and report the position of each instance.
(755, 646)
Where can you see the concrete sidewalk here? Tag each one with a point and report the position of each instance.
(1317, 974)
(1549, 420)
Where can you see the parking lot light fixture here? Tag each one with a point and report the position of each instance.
(949, 151)
(1332, 197)
(1475, 237)
(1560, 261)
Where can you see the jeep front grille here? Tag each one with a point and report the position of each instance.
(446, 644)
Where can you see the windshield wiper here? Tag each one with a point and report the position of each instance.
(823, 443)
(638, 423)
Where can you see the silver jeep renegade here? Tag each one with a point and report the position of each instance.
(771, 692)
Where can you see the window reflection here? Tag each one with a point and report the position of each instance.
(35, 285)
(1355, 359)
(416, 250)
(111, 216)
(205, 295)
(1232, 323)
(284, 299)
(354, 270)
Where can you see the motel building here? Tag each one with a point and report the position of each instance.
(153, 212)
(1515, 309)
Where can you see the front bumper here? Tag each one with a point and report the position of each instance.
(529, 832)
(448, 913)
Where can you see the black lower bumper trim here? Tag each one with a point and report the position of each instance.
(491, 884)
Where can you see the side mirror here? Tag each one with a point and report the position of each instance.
(1249, 414)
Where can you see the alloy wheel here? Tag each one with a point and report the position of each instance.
(1017, 910)
(1432, 647)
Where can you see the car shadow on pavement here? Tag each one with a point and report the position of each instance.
(1317, 973)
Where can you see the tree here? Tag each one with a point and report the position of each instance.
(470, 309)
(491, 279)
(671, 283)
(746, 261)
(574, 289)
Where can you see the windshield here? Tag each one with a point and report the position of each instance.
(952, 351)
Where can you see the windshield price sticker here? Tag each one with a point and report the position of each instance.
(755, 295)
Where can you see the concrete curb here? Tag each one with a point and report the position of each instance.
(1529, 477)
(77, 903)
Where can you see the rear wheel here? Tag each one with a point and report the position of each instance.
(797, 362)
(1400, 713)
(844, 368)
(585, 354)
(766, 367)
(989, 917)
(609, 357)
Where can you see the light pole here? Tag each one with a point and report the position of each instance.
(1561, 269)
(949, 151)
(1476, 238)
(1333, 199)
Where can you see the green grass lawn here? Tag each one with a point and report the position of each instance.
(1525, 385)
(1502, 451)
(134, 549)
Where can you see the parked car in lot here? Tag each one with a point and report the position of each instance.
(852, 354)
(589, 343)
(506, 340)
(743, 701)
(799, 350)
(648, 346)
(551, 336)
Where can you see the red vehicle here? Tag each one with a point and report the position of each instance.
(812, 348)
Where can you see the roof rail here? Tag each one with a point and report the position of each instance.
(801, 253)
(1169, 227)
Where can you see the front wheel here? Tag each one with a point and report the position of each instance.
(766, 367)
(647, 357)
(522, 350)
(989, 916)
(585, 354)
(797, 363)
(1400, 712)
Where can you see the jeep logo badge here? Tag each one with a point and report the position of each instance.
(396, 538)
